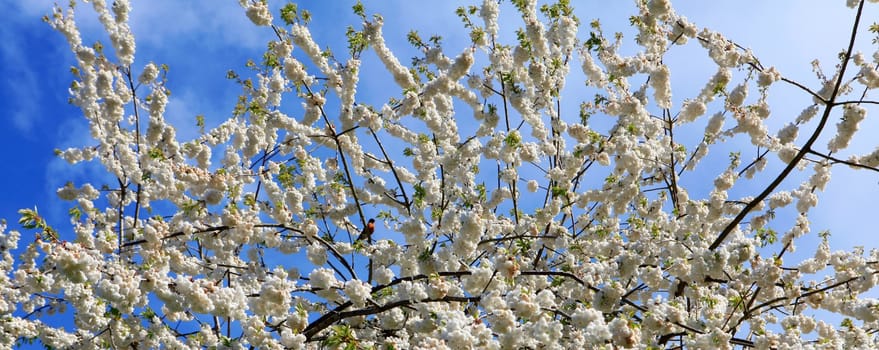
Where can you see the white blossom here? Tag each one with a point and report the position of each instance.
(845, 129)
(469, 207)
(258, 13)
(150, 73)
(358, 291)
(768, 76)
(691, 110)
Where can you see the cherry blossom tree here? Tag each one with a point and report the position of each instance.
(470, 209)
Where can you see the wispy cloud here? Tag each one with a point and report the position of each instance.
(20, 83)
(169, 23)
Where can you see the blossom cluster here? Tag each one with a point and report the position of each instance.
(503, 217)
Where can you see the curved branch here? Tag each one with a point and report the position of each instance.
(334, 316)
(841, 161)
(829, 104)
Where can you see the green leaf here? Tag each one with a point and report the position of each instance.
(513, 140)
(420, 193)
(359, 10)
(306, 16)
(286, 176)
(156, 153)
(270, 60)
(415, 39)
(356, 41)
(113, 313)
(75, 213)
(559, 191)
(480, 189)
(249, 200)
(594, 42)
(30, 219)
(289, 13)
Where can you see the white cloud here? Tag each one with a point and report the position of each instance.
(163, 23)
(72, 132)
(32, 8)
(181, 113)
(20, 83)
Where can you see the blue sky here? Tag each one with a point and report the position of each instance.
(201, 40)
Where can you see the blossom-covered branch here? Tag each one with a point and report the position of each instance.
(481, 199)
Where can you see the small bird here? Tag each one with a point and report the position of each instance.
(366, 234)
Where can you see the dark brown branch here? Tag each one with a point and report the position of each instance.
(390, 164)
(310, 332)
(837, 160)
(829, 104)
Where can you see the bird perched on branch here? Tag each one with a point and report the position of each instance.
(366, 234)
